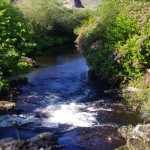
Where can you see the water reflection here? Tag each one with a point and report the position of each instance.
(66, 53)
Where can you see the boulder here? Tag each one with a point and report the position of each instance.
(6, 105)
(48, 140)
(11, 144)
(6, 140)
(44, 141)
(138, 137)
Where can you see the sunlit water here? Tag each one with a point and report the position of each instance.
(61, 97)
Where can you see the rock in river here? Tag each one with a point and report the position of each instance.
(138, 137)
(36, 143)
(6, 106)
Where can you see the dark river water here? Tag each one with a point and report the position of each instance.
(61, 98)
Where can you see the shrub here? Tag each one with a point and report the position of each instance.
(130, 37)
(116, 41)
(140, 99)
(92, 38)
(15, 39)
(23, 67)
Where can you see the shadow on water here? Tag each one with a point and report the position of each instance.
(61, 97)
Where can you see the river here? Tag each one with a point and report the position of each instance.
(61, 98)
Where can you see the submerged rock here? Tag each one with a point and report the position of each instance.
(36, 143)
(6, 140)
(138, 137)
(11, 144)
(6, 106)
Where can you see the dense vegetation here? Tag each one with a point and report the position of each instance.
(50, 21)
(116, 43)
(15, 41)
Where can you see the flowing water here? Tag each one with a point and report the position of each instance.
(61, 98)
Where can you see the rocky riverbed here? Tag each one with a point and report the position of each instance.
(44, 141)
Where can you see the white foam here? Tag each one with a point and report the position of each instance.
(99, 109)
(55, 114)
(71, 114)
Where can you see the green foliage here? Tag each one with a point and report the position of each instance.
(15, 39)
(116, 41)
(139, 99)
(131, 40)
(23, 67)
(51, 21)
(1, 82)
(92, 39)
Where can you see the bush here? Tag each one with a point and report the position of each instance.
(15, 39)
(92, 39)
(131, 40)
(140, 99)
(23, 67)
(116, 41)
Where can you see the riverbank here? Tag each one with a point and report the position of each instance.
(137, 137)
(137, 96)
